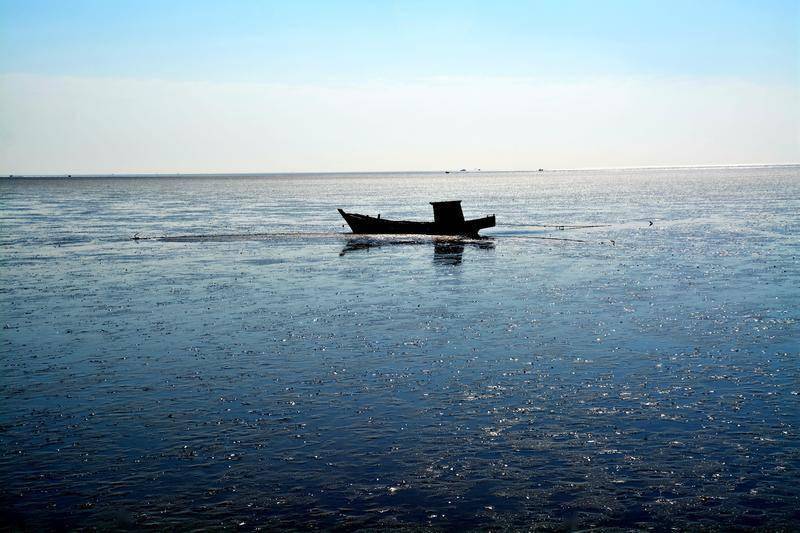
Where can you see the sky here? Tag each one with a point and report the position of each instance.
(118, 86)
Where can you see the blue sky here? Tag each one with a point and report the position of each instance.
(290, 41)
(326, 45)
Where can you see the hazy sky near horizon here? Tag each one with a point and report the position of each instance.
(257, 86)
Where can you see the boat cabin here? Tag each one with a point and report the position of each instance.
(448, 214)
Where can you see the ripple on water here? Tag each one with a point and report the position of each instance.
(262, 369)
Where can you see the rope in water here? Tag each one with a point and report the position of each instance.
(558, 226)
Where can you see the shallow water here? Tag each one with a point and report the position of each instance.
(248, 363)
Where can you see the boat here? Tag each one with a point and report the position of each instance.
(448, 219)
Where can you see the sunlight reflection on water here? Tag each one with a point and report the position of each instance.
(266, 367)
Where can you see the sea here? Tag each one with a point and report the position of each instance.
(622, 351)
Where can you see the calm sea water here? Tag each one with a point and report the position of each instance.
(266, 369)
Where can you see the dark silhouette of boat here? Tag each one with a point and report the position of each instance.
(448, 219)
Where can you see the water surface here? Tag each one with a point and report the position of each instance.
(260, 367)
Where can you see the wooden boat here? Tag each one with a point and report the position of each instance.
(448, 219)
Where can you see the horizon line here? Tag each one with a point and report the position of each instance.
(332, 172)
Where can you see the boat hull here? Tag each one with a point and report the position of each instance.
(367, 224)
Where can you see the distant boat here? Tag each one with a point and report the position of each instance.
(448, 219)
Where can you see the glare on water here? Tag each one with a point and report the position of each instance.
(260, 366)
